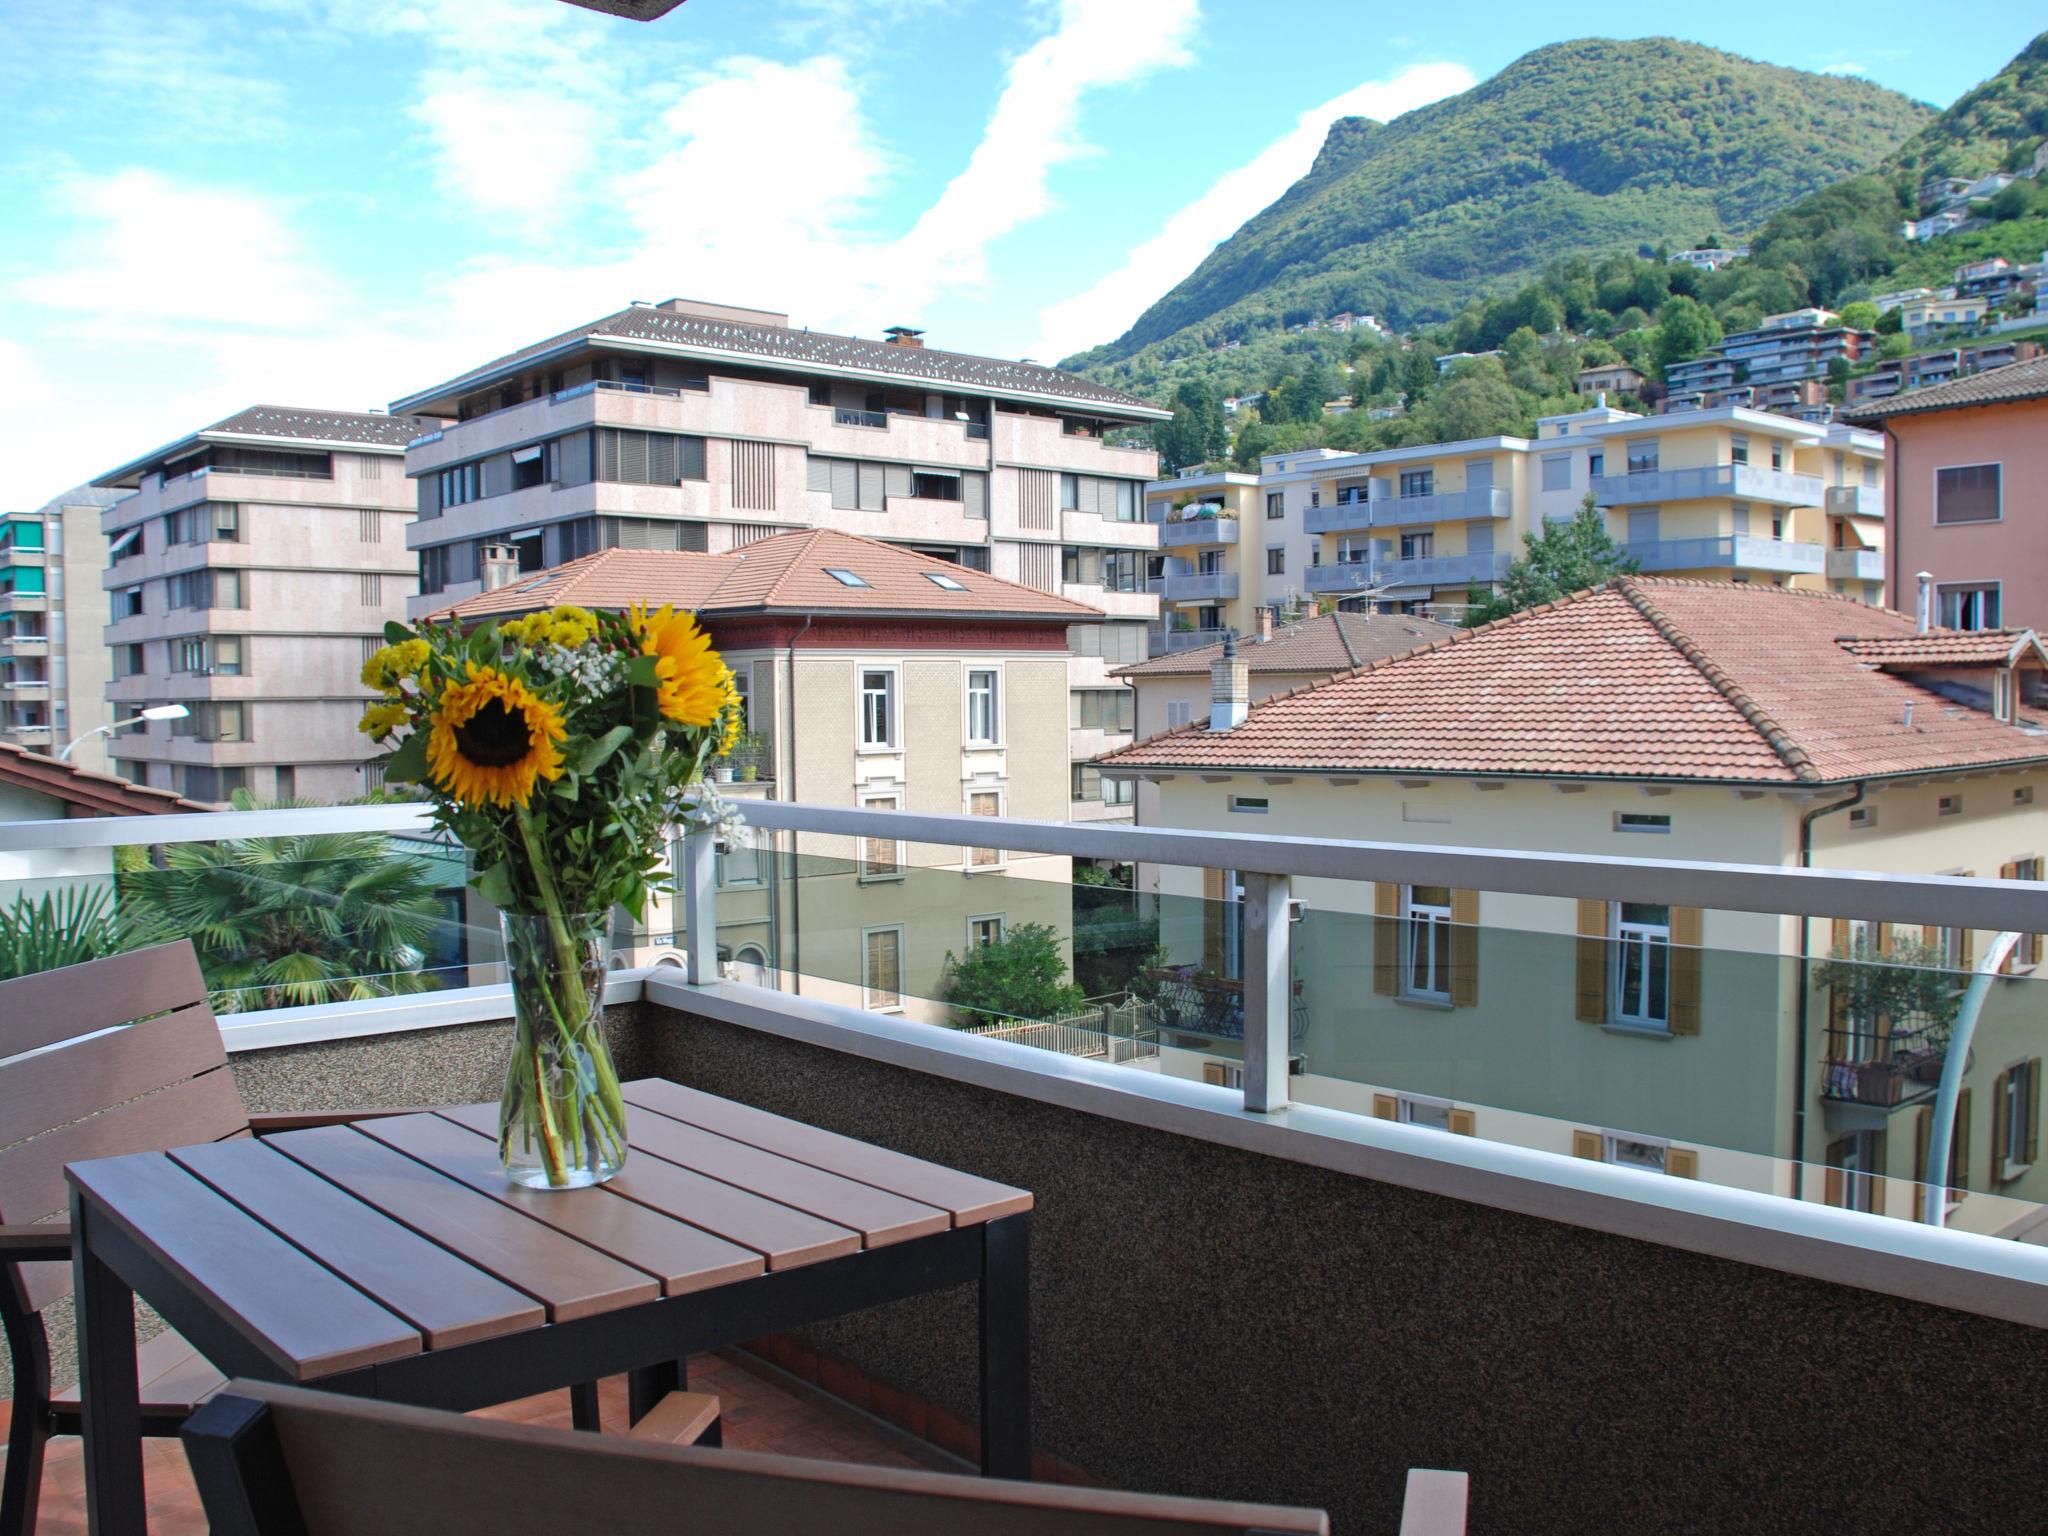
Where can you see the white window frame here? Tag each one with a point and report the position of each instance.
(1610, 1151)
(1000, 919)
(880, 800)
(894, 695)
(2019, 1116)
(994, 672)
(2004, 695)
(867, 988)
(1943, 588)
(1426, 923)
(998, 857)
(1624, 935)
(1435, 1113)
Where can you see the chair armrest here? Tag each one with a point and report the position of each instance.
(301, 1120)
(41, 1241)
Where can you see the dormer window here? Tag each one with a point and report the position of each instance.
(2004, 695)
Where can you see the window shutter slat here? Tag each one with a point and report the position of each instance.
(1464, 949)
(1923, 1139)
(870, 487)
(1386, 938)
(896, 480)
(1686, 955)
(845, 485)
(1999, 1129)
(1590, 1145)
(1590, 964)
(1682, 1162)
(1464, 1122)
(817, 474)
(1385, 1107)
(2033, 1126)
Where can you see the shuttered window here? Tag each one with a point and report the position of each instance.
(647, 458)
(1958, 1154)
(1967, 493)
(984, 802)
(1426, 943)
(882, 969)
(873, 490)
(2015, 1120)
(974, 495)
(881, 858)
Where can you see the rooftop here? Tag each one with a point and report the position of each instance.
(644, 327)
(1331, 642)
(1640, 679)
(2010, 385)
(281, 426)
(787, 573)
(84, 791)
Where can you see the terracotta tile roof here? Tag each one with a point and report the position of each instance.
(1642, 679)
(285, 425)
(86, 791)
(788, 573)
(1334, 642)
(798, 348)
(2013, 383)
(1948, 648)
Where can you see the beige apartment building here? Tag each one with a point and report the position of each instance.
(1663, 719)
(705, 427)
(874, 676)
(1725, 494)
(250, 573)
(53, 663)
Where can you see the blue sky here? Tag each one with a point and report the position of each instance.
(332, 202)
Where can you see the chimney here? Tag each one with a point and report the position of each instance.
(1265, 625)
(903, 336)
(1926, 610)
(499, 566)
(1230, 688)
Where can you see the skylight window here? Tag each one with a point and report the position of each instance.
(845, 578)
(944, 581)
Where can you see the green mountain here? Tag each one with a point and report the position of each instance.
(1580, 147)
(1993, 128)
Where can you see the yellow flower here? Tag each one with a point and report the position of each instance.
(492, 738)
(387, 666)
(571, 626)
(693, 684)
(380, 720)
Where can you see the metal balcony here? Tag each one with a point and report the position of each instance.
(1736, 552)
(1198, 532)
(1427, 571)
(1195, 587)
(1856, 564)
(1406, 511)
(1742, 482)
(1856, 500)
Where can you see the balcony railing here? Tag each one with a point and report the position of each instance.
(846, 416)
(1426, 570)
(1198, 532)
(1900, 1068)
(1736, 552)
(1195, 586)
(1742, 482)
(1357, 512)
(1856, 564)
(1856, 500)
(1167, 642)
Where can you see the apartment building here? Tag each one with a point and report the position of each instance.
(1742, 494)
(251, 570)
(1925, 369)
(1647, 718)
(1966, 464)
(53, 663)
(1799, 344)
(874, 676)
(705, 427)
(1923, 316)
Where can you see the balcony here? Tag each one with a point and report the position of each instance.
(1856, 564)
(1903, 1068)
(1119, 605)
(24, 689)
(1357, 513)
(27, 735)
(1198, 533)
(1736, 552)
(1742, 482)
(21, 554)
(1856, 501)
(1167, 642)
(1195, 587)
(1424, 571)
(28, 645)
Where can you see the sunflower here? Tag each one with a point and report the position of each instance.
(693, 685)
(492, 738)
(380, 720)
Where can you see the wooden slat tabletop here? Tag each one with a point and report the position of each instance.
(306, 1319)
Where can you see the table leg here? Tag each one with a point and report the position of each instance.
(1006, 1347)
(110, 1399)
(649, 1385)
(583, 1411)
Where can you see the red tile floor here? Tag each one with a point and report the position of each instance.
(764, 1410)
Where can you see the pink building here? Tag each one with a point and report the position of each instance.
(1966, 471)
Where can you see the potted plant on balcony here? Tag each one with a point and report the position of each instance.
(559, 748)
(746, 757)
(1906, 990)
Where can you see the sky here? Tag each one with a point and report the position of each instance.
(217, 203)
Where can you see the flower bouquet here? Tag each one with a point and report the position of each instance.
(559, 748)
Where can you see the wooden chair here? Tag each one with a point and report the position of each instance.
(273, 1459)
(99, 1084)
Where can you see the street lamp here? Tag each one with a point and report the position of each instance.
(154, 712)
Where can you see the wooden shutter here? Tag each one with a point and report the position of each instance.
(1923, 1139)
(1386, 938)
(1591, 968)
(2011, 872)
(1212, 1072)
(1959, 1155)
(1464, 948)
(1877, 1159)
(2033, 1127)
(1838, 1005)
(1213, 897)
(1682, 1162)
(1590, 1145)
(1998, 1127)
(1967, 937)
(1831, 1190)
(1464, 1122)
(1686, 964)
(1385, 1107)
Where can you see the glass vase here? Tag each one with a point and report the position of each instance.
(562, 1122)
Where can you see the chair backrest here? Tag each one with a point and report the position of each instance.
(80, 1078)
(272, 1459)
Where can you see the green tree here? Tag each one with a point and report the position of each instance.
(63, 927)
(1197, 432)
(1019, 976)
(1862, 315)
(1564, 557)
(1685, 329)
(1477, 404)
(290, 921)
(1418, 372)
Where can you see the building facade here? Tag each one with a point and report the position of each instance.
(1799, 344)
(702, 427)
(1966, 468)
(1644, 719)
(250, 573)
(53, 662)
(1727, 492)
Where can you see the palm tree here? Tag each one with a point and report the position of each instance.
(284, 922)
(68, 926)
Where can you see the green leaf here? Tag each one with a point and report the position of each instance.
(495, 884)
(484, 645)
(640, 671)
(407, 764)
(596, 753)
(396, 633)
(566, 787)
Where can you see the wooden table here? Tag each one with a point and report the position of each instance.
(390, 1258)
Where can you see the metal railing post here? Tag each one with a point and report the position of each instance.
(1268, 983)
(699, 879)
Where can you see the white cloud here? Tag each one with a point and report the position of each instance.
(1107, 308)
(1844, 69)
(508, 150)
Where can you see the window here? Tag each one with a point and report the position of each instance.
(1636, 821)
(1596, 464)
(126, 544)
(1949, 805)
(1121, 644)
(227, 521)
(1276, 506)
(1417, 546)
(2028, 950)
(1089, 784)
(983, 697)
(1557, 472)
(1276, 560)
(989, 803)
(461, 485)
(1250, 805)
(215, 721)
(1642, 964)
(878, 707)
(1863, 816)
(739, 865)
(127, 603)
(932, 486)
(881, 970)
(1178, 713)
(984, 931)
(1855, 1169)
(1419, 1109)
(1968, 606)
(2024, 795)
(2015, 1123)
(1102, 709)
(946, 583)
(1426, 942)
(1738, 448)
(743, 685)
(1418, 482)
(844, 577)
(1777, 455)
(648, 458)
(2003, 695)
(881, 858)
(1642, 456)
(1968, 493)
(128, 661)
